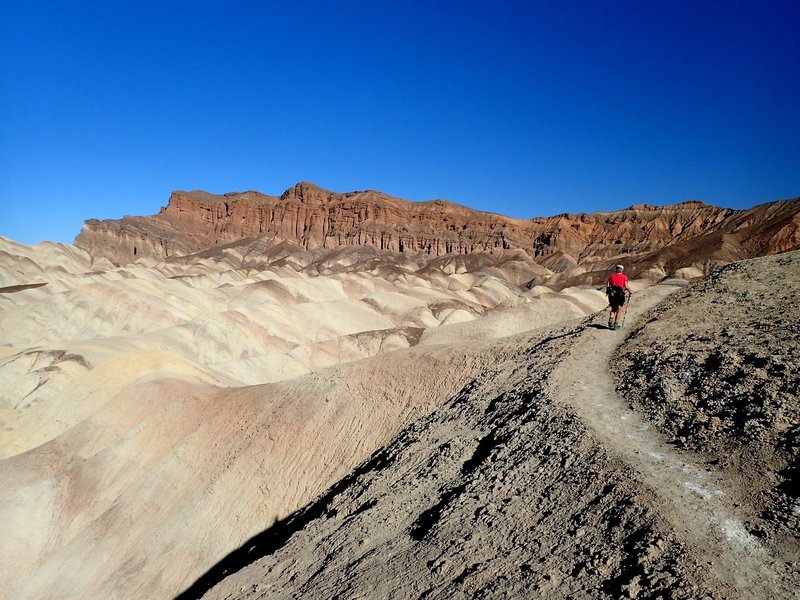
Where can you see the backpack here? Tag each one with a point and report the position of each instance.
(616, 295)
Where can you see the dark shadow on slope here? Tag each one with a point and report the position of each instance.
(425, 522)
(276, 537)
(273, 539)
(10, 289)
(430, 517)
(487, 445)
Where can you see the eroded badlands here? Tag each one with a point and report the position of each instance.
(157, 415)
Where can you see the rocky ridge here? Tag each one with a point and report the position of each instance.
(653, 240)
(499, 493)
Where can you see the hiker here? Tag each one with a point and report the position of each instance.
(616, 286)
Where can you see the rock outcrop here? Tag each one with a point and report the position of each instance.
(654, 240)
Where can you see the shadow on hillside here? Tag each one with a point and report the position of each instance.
(260, 545)
(274, 538)
(11, 289)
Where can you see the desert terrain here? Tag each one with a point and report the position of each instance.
(540, 479)
(328, 395)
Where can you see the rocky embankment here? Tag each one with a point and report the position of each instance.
(500, 493)
(504, 491)
(717, 368)
(537, 480)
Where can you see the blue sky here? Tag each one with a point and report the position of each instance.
(522, 108)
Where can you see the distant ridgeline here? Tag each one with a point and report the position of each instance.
(654, 241)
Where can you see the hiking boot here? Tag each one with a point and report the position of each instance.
(610, 324)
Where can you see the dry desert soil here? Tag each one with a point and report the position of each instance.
(654, 462)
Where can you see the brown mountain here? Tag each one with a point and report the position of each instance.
(654, 241)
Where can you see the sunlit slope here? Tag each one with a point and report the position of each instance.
(165, 477)
(155, 416)
(245, 314)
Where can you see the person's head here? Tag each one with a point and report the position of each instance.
(619, 268)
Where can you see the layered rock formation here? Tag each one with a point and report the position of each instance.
(697, 235)
(309, 215)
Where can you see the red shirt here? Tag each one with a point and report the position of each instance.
(618, 279)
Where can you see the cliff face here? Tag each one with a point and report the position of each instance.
(317, 218)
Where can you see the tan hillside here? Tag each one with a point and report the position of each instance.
(172, 408)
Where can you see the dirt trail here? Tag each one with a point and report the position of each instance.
(694, 500)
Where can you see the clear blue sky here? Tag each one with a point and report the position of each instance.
(522, 108)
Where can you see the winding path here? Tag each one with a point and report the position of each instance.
(694, 500)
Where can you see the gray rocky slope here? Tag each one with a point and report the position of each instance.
(536, 480)
(717, 370)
